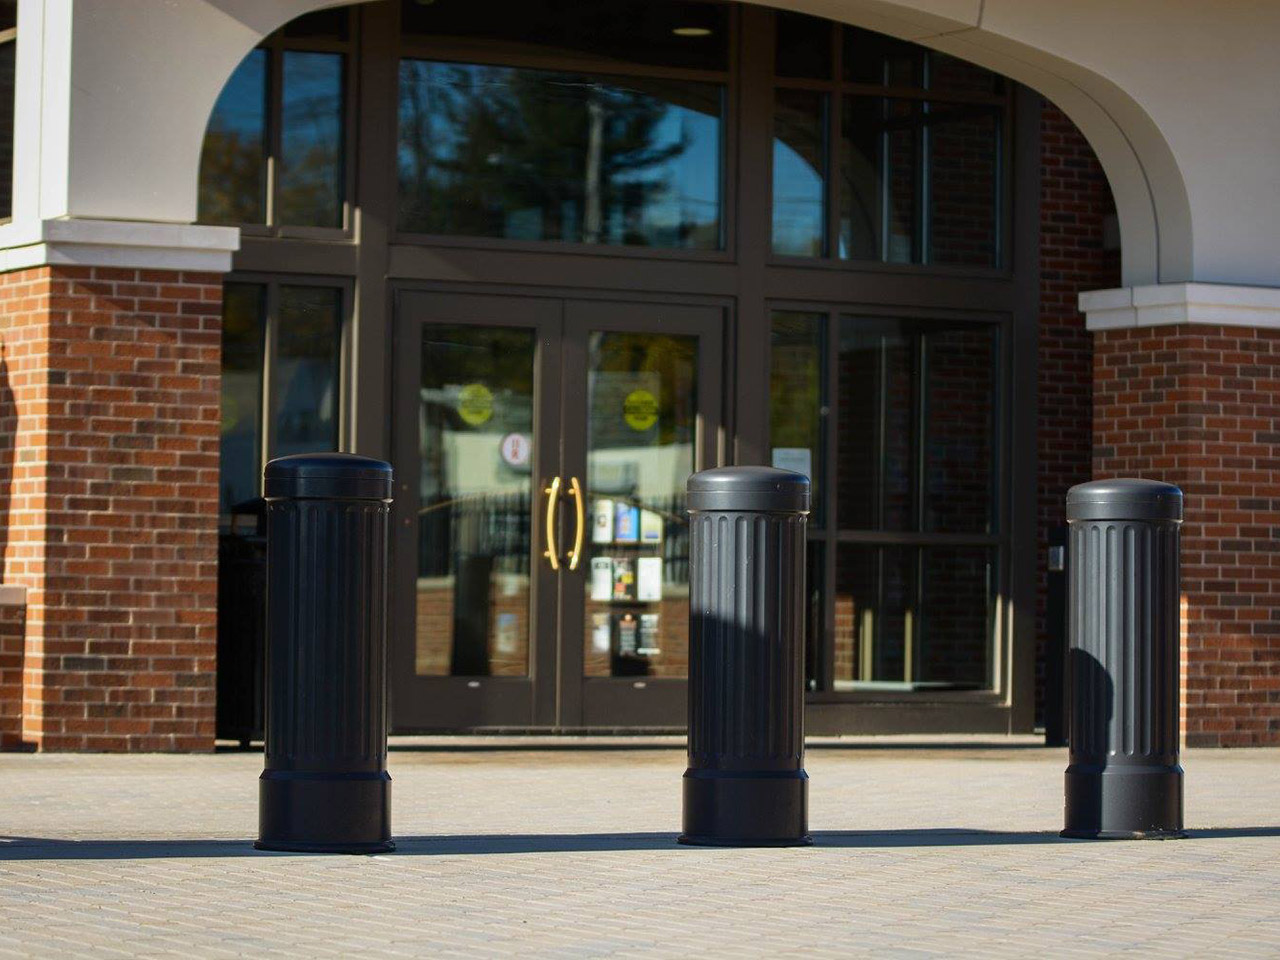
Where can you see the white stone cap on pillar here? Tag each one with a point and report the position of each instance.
(1170, 303)
(117, 243)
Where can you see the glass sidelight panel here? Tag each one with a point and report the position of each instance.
(244, 324)
(475, 436)
(641, 429)
(305, 373)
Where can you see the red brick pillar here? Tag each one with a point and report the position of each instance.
(109, 417)
(1199, 406)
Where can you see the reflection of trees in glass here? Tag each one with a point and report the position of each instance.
(310, 190)
(233, 162)
(528, 154)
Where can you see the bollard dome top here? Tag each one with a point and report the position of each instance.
(766, 489)
(1124, 499)
(341, 476)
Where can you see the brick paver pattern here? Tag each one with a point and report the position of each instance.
(920, 851)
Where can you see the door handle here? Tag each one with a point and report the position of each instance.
(575, 489)
(553, 495)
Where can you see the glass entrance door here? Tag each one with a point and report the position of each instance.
(542, 448)
(640, 415)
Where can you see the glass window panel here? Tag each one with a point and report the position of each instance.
(960, 407)
(310, 188)
(538, 155)
(876, 433)
(950, 75)
(964, 184)
(304, 374)
(672, 33)
(473, 600)
(876, 615)
(642, 424)
(874, 58)
(799, 173)
(797, 412)
(958, 630)
(880, 179)
(803, 46)
(233, 161)
(914, 617)
(243, 326)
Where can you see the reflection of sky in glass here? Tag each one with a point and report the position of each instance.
(671, 199)
(310, 190)
(242, 105)
(233, 161)
(797, 203)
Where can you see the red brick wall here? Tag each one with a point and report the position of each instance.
(109, 404)
(1196, 406)
(1075, 199)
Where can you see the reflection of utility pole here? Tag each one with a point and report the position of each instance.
(593, 216)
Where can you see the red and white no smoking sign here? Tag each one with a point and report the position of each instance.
(515, 450)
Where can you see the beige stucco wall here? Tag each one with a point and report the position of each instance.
(1173, 94)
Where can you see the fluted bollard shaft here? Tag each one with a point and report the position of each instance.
(1124, 780)
(325, 786)
(746, 784)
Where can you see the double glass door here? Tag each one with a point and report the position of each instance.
(542, 447)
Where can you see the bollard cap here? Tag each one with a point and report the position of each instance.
(1124, 499)
(339, 476)
(753, 488)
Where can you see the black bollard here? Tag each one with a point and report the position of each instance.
(1124, 781)
(746, 785)
(325, 788)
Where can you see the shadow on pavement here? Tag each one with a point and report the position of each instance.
(40, 848)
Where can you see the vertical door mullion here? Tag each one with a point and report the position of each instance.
(270, 353)
(275, 126)
(829, 395)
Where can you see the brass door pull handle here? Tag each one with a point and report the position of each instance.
(553, 495)
(575, 490)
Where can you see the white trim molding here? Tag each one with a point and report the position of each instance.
(1173, 303)
(117, 243)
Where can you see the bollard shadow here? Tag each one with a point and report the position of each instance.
(13, 849)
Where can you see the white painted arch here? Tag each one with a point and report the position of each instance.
(1174, 95)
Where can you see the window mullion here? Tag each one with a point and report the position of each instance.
(269, 353)
(275, 127)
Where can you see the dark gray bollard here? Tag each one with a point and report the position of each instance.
(746, 785)
(325, 788)
(1124, 781)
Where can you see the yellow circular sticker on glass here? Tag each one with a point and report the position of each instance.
(640, 410)
(475, 404)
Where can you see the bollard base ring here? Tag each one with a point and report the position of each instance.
(1123, 834)
(289, 846)
(736, 808)
(1124, 801)
(693, 841)
(311, 812)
